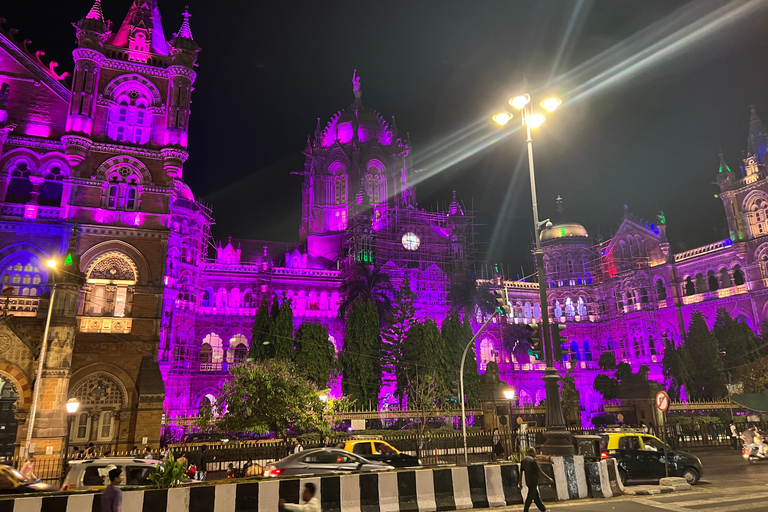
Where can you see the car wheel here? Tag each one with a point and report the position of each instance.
(691, 475)
(623, 476)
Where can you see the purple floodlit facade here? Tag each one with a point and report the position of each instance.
(160, 318)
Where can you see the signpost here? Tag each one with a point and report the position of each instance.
(662, 404)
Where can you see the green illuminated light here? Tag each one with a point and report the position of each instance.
(68, 260)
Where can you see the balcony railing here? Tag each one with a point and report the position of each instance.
(716, 294)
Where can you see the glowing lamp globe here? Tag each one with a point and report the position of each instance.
(535, 120)
(519, 102)
(73, 404)
(502, 118)
(509, 394)
(51, 263)
(551, 104)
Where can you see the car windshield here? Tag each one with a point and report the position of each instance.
(362, 448)
(629, 443)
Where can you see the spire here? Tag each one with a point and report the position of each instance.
(95, 13)
(756, 141)
(559, 203)
(185, 31)
(144, 15)
(723, 166)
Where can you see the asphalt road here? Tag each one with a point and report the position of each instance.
(729, 484)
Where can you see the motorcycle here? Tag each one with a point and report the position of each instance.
(755, 452)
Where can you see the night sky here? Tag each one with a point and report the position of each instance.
(651, 139)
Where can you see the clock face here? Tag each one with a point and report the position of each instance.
(411, 241)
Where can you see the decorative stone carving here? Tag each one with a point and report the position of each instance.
(99, 389)
(113, 266)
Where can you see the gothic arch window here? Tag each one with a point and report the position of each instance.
(221, 298)
(581, 307)
(123, 189)
(52, 187)
(19, 186)
(652, 345)
(570, 310)
(558, 309)
(757, 214)
(129, 119)
(536, 311)
(570, 267)
(238, 349)
(573, 352)
(208, 298)
(527, 310)
(211, 352)
(234, 298)
(100, 391)
(248, 299)
(738, 275)
(661, 290)
(487, 353)
(587, 352)
(110, 283)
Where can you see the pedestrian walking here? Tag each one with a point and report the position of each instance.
(297, 448)
(532, 471)
(734, 436)
(498, 448)
(112, 497)
(311, 503)
(678, 434)
(202, 468)
(28, 469)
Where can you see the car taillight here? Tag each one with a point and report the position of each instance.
(603, 455)
(272, 471)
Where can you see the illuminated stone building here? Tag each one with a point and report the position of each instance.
(624, 294)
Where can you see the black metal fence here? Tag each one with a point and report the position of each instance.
(48, 468)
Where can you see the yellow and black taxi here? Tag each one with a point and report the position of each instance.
(641, 456)
(373, 448)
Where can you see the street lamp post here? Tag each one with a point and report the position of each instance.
(73, 404)
(509, 396)
(558, 439)
(41, 362)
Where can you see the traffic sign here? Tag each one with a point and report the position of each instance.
(662, 401)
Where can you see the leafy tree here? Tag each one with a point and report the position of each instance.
(676, 367)
(315, 353)
(606, 386)
(169, 473)
(400, 318)
(514, 339)
(367, 283)
(607, 361)
(707, 375)
(425, 353)
(361, 359)
(424, 392)
(456, 334)
(260, 347)
(281, 333)
(266, 396)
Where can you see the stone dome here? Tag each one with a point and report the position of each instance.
(371, 126)
(564, 230)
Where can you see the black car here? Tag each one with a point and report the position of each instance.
(12, 482)
(381, 451)
(641, 457)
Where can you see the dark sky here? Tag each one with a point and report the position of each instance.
(269, 69)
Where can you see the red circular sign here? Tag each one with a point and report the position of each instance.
(662, 401)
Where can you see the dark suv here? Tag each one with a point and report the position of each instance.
(641, 457)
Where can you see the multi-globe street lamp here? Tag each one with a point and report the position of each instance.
(558, 439)
(51, 264)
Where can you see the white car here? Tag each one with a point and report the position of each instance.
(93, 474)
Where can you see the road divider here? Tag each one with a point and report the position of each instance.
(409, 490)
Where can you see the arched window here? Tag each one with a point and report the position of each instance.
(207, 302)
(630, 298)
(725, 278)
(643, 296)
(581, 307)
(712, 281)
(248, 301)
(211, 353)
(570, 310)
(536, 311)
(558, 309)
(573, 354)
(238, 349)
(221, 298)
(587, 352)
(652, 345)
(122, 190)
(701, 286)
(738, 275)
(109, 285)
(24, 268)
(206, 353)
(570, 267)
(690, 288)
(234, 298)
(527, 310)
(52, 187)
(757, 213)
(661, 290)
(99, 392)
(129, 119)
(19, 187)
(487, 353)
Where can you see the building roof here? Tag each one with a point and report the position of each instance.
(564, 230)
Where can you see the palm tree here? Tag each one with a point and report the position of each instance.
(366, 282)
(466, 295)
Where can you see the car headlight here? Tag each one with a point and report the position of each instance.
(420, 463)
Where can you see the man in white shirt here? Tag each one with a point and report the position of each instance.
(297, 448)
(311, 503)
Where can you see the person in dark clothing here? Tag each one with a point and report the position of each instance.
(532, 471)
(202, 468)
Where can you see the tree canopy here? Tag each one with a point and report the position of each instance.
(399, 320)
(361, 358)
(707, 374)
(315, 353)
(281, 332)
(260, 348)
(457, 334)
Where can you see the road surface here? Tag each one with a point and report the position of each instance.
(729, 484)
